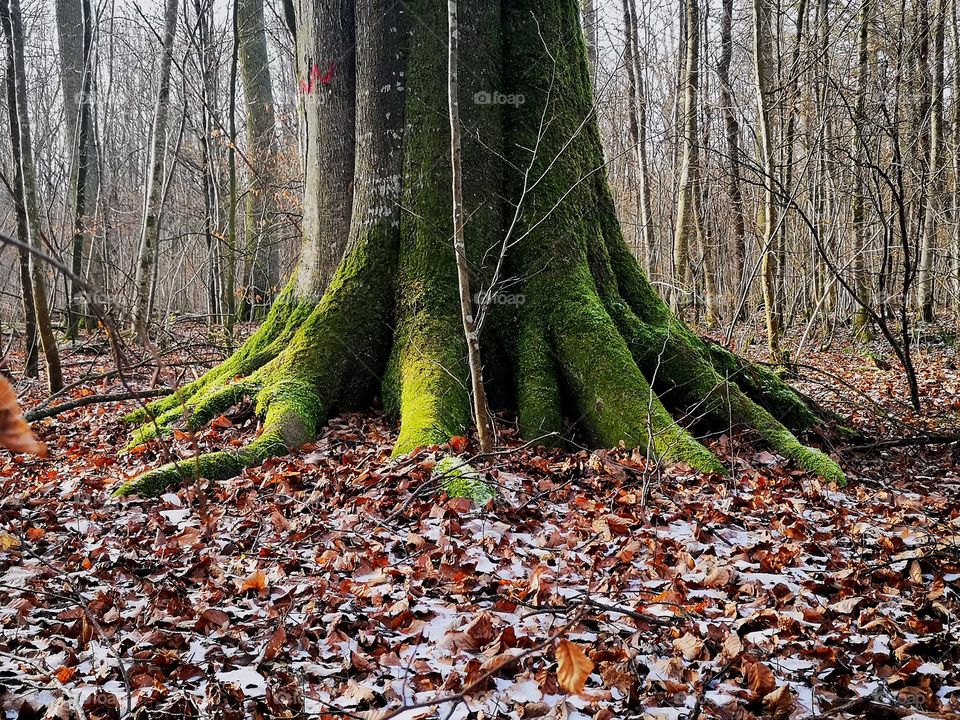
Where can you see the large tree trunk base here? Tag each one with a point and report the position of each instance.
(622, 371)
(591, 342)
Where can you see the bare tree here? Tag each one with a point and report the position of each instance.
(13, 32)
(763, 64)
(153, 195)
(260, 210)
(929, 246)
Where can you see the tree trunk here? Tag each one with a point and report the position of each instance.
(587, 333)
(153, 204)
(262, 276)
(688, 215)
(763, 64)
(31, 341)
(955, 267)
(591, 35)
(930, 246)
(326, 68)
(861, 327)
(13, 33)
(481, 412)
(637, 110)
(732, 135)
(75, 36)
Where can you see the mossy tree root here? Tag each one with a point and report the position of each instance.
(331, 361)
(276, 332)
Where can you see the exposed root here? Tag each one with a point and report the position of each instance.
(429, 381)
(261, 347)
(612, 395)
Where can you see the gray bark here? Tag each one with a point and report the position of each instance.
(153, 205)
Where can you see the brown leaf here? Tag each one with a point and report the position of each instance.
(759, 678)
(779, 703)
(275, 644)
(732, 646)
(573, 666)
(690, 646)
(257, 580)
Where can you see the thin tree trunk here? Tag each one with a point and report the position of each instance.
(207, 61)
(233, 240)
(732, 135)
(260, 210)
(955, 268)
(153, 205)
(75, 36)
(13, 30)
(763, 64)
(481, 410)
(687, 216)
(790, 137)
(637, 110)
(861, 327)
(31, 341)
(930, 246)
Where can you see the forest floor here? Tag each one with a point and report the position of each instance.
(338, 582)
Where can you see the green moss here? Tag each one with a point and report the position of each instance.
(538, 389)
(614, 400)
(434, 404)
(460, 480)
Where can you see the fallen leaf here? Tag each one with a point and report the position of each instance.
(573, 667)
(779, 703)
(759, 678)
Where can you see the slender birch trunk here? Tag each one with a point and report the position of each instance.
(481, 411)
(153, 205)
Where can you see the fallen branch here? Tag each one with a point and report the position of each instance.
(913, 440)
(95, 400)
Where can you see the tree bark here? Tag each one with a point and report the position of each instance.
(732, 136)
(763, 65)
(930, 245)
(262, 275)
(861, 327)
(13, 32)
(153, 203)
(688, 215)
(30, 339)
(637, 111)
(590, 331)
(326, 68)
(75, 37)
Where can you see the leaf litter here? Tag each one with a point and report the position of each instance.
(339, 582)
